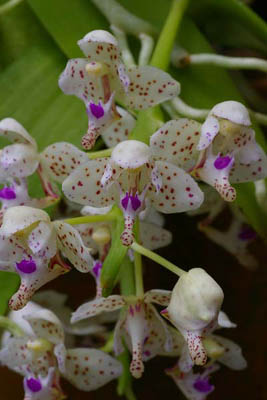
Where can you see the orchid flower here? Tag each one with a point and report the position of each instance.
(17, 162)
(217, 348)
(55, 302)
(194, 386)
(42, 354)
(223, 149)
(129, 178)
(194, 309)
(238, 236)
(235, 240)
(15, 193)
(19, 159)
(139, 325)
(30, 245)
(101, 78)
(97, 235)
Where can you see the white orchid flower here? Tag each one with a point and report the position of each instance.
(30, 245)
(132, 175)
(101, 78)
(223, 149)
(139, 325)
(41, 355)
(194, 386)
(194, 309)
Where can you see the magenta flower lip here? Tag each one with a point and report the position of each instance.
(222, 162)
(97, 110)
(27, 266)
(97, 269)
(34, 385)
(203, 385)
(7, 193)
(135, 202)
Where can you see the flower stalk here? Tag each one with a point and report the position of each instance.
(158, 259)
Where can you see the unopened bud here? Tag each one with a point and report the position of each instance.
(196, 300)
(101, 235)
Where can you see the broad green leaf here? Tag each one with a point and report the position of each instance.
(20, 29)
(30, 94)
(9, 283)
(235, 10)
(68, 21)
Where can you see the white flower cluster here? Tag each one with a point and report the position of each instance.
(141, 181)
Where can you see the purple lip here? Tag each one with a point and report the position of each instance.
(26, 266)
(203, 385)
(97, 269)
(97, 110)
(222, 162)
(34, 385)
(247, 233)
(135, 202)
(7, 193)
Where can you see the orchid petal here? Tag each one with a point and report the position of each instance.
(179, 191)
(159, 336)
(218, 177)
(75, 80)
(232, 111)
(137, 328)
(60, 159)
(224, 321)
(195, 346)
(97, 306)
(30, 282)
(154, 237)
(249, 171)
(89, 369)
(188, 383)
(119, 130)
(99, 45)
(42, 240)
(176, 141)
(71, 245)
(209, 130)
(148, 87)
(158, 296)
(232, 356)
(14, 131)
(46, 325)
(131, 154)
(18, 160)
(15, 353)
(83, 185)
(19, 218)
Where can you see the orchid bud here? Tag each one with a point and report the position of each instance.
(232, 111)
(196, 300)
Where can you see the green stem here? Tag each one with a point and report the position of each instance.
(101, 153)
(9, 5)
(160, 260)
(87, 219)
(127, 283)
(138, 270)
(162, 53)
(113, 261)
(11, 326)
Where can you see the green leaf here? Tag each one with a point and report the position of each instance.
(20, 30)
(233, 10)
(9, 283)
(68, 21)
